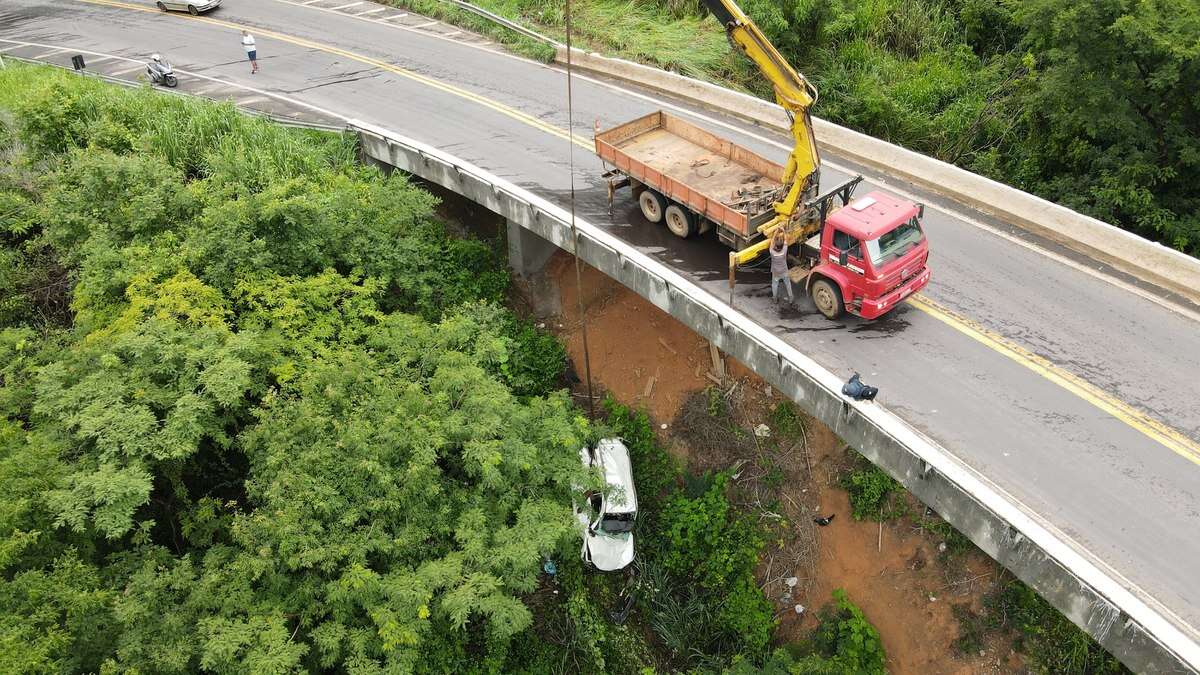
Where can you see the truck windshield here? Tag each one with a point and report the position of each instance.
(895, 243)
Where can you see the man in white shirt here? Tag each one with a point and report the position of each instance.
(251, 51)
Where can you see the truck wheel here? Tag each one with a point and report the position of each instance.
(652, 205)
(827, 298)
(680, 221)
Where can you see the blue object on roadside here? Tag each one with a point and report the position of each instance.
(859, 390)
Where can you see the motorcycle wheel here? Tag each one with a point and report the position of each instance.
(171, 80)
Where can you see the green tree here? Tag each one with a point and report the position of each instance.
(284, 425)
(1112, 124)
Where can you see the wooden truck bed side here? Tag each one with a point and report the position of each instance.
(692, 166)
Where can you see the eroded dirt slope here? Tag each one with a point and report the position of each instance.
(906, 587)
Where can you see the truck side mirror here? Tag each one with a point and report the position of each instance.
(843, 257)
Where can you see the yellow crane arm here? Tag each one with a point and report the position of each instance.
(796, 95)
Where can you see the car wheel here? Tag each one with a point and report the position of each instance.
(652, 205)
(827, 298)
(162, 6)
(193, 11)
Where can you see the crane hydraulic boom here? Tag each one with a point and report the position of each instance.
(796, 95)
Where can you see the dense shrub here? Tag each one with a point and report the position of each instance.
(1053, 643)
(537, 360)
(282, 424)
(846, 640)
(654, 470)
(705, 541)
(874, 495)
(843, 642)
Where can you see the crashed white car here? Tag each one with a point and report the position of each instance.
(607, 517)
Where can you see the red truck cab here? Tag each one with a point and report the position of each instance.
(872, 255)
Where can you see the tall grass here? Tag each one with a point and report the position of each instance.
(516, 42)
(676, 35)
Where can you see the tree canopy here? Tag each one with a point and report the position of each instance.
(260, 413)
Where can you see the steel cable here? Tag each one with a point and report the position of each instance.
(587, 361)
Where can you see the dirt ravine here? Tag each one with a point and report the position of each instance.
(647, 359)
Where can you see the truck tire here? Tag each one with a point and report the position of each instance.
(828, 298)
(652, 205)
(680, 221)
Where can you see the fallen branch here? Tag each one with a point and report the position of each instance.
(966, 581)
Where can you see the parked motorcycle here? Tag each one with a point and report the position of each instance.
(160, 72)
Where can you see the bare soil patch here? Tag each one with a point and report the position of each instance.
(906, 587)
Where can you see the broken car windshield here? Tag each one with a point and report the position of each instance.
(617, 523)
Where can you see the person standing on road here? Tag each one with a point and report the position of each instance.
(251, 51)
(779, 266)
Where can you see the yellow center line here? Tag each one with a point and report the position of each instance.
(1138, 420)
(1154, 429)
(382, 65)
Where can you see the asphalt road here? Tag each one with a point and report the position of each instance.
(1073, 389)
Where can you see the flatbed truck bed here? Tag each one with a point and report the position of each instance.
(712, 181)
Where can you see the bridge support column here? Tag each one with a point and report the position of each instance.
(528, 254)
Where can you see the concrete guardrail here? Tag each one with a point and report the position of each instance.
(511, 25)
(1125, 251)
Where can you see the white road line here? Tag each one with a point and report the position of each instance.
(43, 55)
(386, 21)
(126, 71)
(341, 7)
(208, 88)
(279, 97)
(308, 2)
(252, 99)
(8, 49)
(423, 25)
(99, 59)
(452, 33)
(371, 11)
